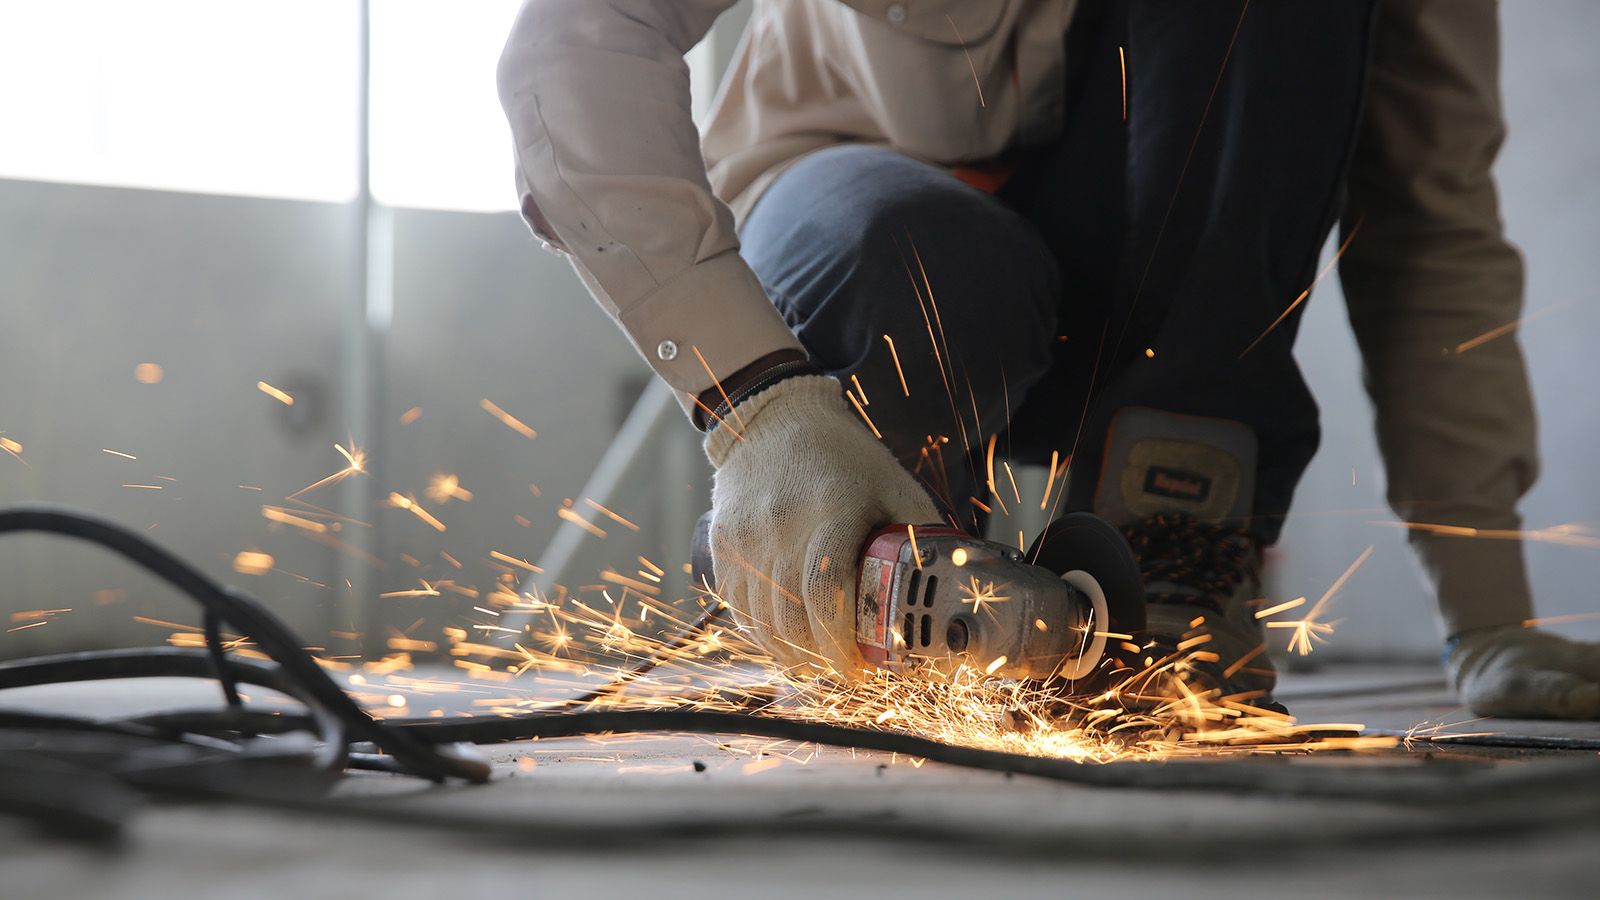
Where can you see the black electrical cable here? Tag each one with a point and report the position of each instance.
(177, 662)
(253, 620)
(219, 659)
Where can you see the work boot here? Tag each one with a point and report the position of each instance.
(1200, 581)
(1181, 488)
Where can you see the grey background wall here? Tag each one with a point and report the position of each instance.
(225, 291)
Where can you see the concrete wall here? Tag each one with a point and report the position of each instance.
(220, 292)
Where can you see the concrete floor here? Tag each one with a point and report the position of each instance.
(632, 817)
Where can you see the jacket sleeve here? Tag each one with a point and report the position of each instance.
(1429, 279)
(610, 172)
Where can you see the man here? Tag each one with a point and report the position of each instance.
(1084, 228)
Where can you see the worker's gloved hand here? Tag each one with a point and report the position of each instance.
(800, 483)
(1517, 672)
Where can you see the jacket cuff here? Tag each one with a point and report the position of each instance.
(1480, 582)
(716, 307)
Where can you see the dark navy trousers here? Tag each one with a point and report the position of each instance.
(1129, 262)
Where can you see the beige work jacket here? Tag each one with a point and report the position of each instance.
(612, 171)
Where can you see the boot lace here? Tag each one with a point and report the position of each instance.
(1205, 562)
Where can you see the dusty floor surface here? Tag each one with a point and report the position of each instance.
(637, 817)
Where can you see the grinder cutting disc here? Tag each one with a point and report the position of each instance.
(1085, 543)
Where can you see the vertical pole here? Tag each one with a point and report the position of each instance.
(372, 259)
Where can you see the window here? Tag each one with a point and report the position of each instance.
(237, 97)
(439, 137)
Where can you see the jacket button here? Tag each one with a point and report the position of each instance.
(666, 351)
(896, 13)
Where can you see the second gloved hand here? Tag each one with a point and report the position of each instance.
(800, 483)
(1517, 672)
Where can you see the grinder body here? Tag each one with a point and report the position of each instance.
(931, 599)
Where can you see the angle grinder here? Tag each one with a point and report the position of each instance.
(931, 599)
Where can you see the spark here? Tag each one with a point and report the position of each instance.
(916, 554)
(567, 514)
(143, 487)
(163, 623)
(249, 562)
(1564, 535)
(978, 596)
(1049, 485)
(12, 447)
(976, 83)
(1274, 610)
(1122, 64)
(897, 370)
(1560, 620)
(514, 561)
(355, 464)
(613, 577)
(863, 414)
(444, 488)
(1310, 630)
(30, 614)
(1354, 230)
(275, 393)
(401, 501)
(714, 380)
(1508, 327)
(994, 492)
(1017, 495)
(507, 419)
(148, 373)
(860, 391)
(284, 517)
(427, 590)
(1305, 631)
(610, 515)
(712, 414)
(411, 415)
(117, 453)
(1338, 583)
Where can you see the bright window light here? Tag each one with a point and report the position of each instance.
(216, 96)
(439, 137)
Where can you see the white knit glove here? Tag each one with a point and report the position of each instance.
(1520, 673)
(800, 483)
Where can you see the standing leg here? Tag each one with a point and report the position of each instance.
(932, 301)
